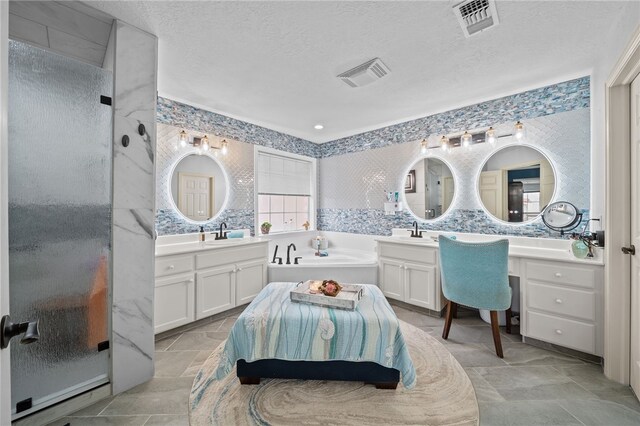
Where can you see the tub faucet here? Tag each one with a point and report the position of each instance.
(275, 254)
(289, 252)
(222, 235)
(415, 233)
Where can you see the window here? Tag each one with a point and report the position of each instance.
(285, 190)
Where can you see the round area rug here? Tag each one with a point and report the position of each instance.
(443, 395)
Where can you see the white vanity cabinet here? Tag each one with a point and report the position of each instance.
(410, 273)
(562, 304)
(207, 280)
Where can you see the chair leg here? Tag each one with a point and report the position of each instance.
(508, 315)
(455, 310)
(495, 328)
(447, 321)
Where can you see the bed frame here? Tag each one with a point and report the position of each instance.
(250, 373)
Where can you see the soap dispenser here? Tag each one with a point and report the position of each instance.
(202, 234)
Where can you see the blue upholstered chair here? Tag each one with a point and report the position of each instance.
(476, 275)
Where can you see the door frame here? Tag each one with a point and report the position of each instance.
(5, 370)
(617, 295)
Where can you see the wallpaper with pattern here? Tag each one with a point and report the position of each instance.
(355, 172)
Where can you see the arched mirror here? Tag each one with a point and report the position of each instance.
(516, 183)
(198, 187)
(429, 188)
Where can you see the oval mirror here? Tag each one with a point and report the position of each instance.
(429, 188)
(198, 187)
(516, 183)
(561, 216)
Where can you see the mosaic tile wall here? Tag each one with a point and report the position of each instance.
(189, 117)
(353, 186)
(562, 97)
(355, 172)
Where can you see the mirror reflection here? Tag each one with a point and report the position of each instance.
(516, 184)
(429, 188)
(198, 187)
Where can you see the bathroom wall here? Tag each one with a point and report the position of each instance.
(356, 172)
(172, 117)
(136, 54)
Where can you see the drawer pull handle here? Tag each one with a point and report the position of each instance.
(558, 274)
(172, 267)
(559, 301)
(558, 331)
(239, 269)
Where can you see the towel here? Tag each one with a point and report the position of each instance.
(235, 234)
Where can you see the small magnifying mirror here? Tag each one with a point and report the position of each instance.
(561, 216)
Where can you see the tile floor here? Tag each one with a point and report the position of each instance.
(530, 386)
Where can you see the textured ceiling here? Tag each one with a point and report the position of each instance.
(274, 63)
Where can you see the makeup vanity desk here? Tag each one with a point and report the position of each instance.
(561, 296)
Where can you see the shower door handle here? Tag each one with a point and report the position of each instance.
(9, 329)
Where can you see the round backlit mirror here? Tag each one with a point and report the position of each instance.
(516, 183)
(198, 187)
(429, 188)
(561, 216)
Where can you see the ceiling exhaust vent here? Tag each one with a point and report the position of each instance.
(475, 16)
(365, 74)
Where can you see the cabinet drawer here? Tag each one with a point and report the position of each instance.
(225, 256)
(173, 265)
(562, 331)
(559, 273)
(426, 255)
(561, 300)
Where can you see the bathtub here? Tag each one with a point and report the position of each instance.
(342, 265)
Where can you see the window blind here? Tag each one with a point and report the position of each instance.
(283, 176)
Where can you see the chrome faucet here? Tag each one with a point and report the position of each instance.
(289, 252)
(415, 233)
(222, 235)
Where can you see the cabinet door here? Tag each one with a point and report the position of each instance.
(251, 277)
(174, 302)
(391, 278)
(419, 285)
(215, 290)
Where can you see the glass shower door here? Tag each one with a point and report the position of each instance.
(59, 224)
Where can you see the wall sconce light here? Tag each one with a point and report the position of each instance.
(202, 144)
(466, 138)
(183, 138)
(518, 130)
(444, 143)
(424, 145)
(490, 135)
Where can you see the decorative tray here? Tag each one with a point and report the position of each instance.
(347, 298)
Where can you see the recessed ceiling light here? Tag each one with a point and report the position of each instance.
(318, 127)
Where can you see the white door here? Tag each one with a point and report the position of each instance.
(215, 290)
(419, 285)
(5, 380)
(447, 192)
(174, 302)
(547, 183)
(635, 235)
(250, 279)
(195, 196)
(491, 192)
(391, 278)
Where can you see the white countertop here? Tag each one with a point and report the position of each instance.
(537, 248)
(191, 247)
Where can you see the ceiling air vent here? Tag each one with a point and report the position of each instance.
(475, 16)
(365, 74)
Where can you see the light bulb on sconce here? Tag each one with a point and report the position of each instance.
(205, 143)
(518, 130)
(423, 146)
(183, 138)
(466, 139)
(224, 147)
(444, 143)
(490, 135)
